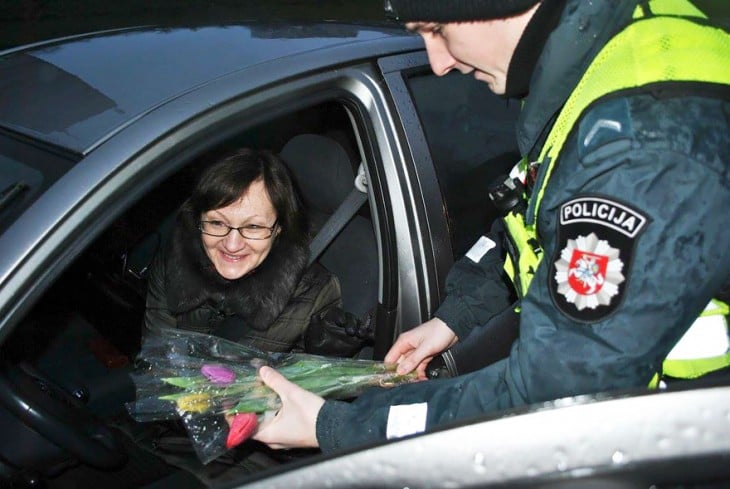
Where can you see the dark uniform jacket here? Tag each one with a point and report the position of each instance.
(660, 157)
(270, 308)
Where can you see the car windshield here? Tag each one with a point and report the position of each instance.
(25, 172)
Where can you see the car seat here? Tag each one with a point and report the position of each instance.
(325, 176)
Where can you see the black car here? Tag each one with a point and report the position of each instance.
(101, 137)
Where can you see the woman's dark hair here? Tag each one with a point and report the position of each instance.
(223, 183)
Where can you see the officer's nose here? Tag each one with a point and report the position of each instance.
(439, 56)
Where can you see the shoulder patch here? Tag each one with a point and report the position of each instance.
(595, 246)
(604, 130)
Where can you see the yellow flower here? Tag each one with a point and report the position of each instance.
(194, 403)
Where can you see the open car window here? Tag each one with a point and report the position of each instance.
(471, 135)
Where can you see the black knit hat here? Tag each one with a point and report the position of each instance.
(454, 10)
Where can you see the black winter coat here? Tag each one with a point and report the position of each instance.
(270, 308)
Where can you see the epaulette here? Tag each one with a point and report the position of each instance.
(606, 129)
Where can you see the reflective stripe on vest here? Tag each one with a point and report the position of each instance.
(667, 49)
(704, 348)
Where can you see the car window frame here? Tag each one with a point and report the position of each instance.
(419, 170)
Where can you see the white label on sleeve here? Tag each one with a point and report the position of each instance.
(406, 419)
(480, 248)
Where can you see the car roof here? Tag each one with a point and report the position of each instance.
(72, 92)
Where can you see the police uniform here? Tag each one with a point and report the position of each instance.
(622, 244)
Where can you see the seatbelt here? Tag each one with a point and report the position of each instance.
(342, 215)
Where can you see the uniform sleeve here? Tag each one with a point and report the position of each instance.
(476, 287)
(613, 294)
(443, 401)
(656, 280)
(157, 315)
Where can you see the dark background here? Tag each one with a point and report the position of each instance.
(25, 21)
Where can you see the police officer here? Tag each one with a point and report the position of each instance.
(617, 246)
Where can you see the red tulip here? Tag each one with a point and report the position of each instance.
(242, 427)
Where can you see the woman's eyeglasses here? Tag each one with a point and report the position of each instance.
(249, 231)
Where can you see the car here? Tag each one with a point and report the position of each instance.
(101, 137)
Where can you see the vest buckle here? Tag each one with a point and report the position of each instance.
(508, 195)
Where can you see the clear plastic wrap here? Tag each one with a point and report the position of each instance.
(201, 379)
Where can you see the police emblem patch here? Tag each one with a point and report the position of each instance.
(596, 238)
(588, 272)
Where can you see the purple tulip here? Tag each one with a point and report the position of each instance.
(218, 374)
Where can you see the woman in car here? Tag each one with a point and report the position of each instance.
(236, 264)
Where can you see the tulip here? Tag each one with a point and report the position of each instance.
(194, 403)
(218, 374)
(243, 425)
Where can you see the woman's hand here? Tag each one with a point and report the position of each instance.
(416, 347)
(337, 333)
(294, 425)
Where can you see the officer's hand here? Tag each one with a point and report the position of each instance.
(294, 425)
(416, 347)
(337, 333)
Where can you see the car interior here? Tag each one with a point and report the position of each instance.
(75, 349)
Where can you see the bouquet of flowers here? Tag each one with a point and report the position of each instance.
(202, 379)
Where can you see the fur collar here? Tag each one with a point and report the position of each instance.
(259, 298)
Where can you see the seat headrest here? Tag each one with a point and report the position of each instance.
(322, 170)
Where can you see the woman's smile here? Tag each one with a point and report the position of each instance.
(233, 255)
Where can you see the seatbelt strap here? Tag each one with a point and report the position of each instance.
(342, 215)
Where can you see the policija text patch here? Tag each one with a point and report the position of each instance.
(596, 238)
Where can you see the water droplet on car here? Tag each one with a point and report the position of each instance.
(691, 432)
(479, 463)
(618, 457)
(664, 443)
(388, 469)
(561, 459)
